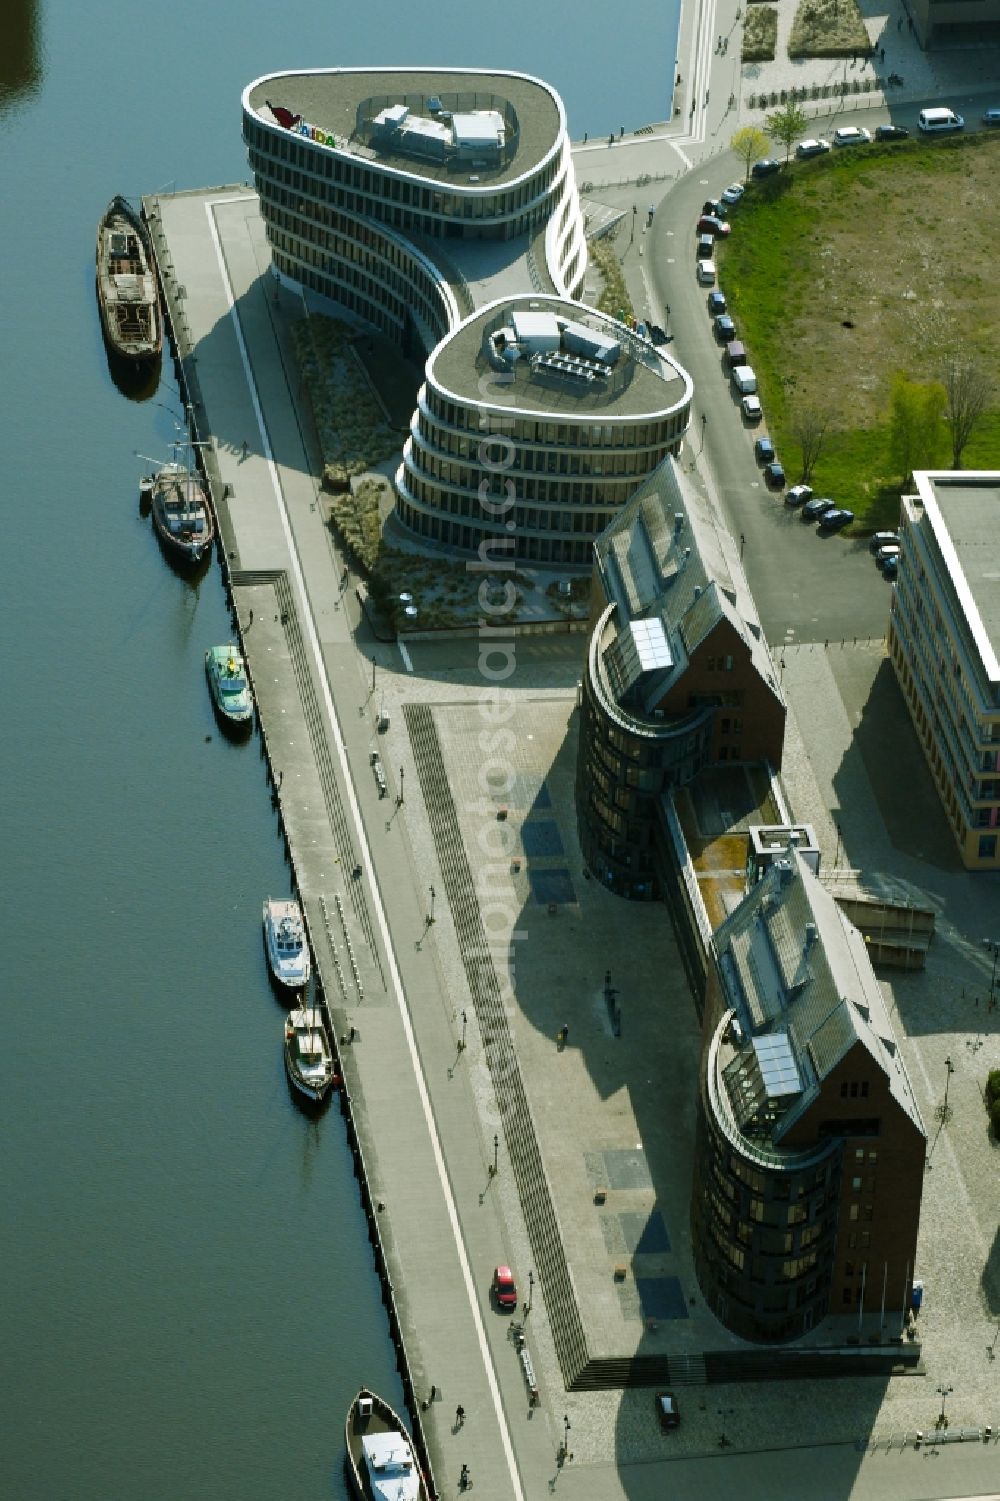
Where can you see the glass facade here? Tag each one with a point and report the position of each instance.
(764, 1223)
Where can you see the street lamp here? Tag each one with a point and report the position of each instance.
(531, 1292)
(496, 1149)
(992, 946)
(430, 918)
(944, 1113)
(465, 1020)
(944, 1392)
(565, 1445)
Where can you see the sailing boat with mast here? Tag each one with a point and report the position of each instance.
(178, 499)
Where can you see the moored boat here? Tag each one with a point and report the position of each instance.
(126, 285)
(381, 1461)
(308, 1057)
(181, 512)
(227, 681)
(285, 938)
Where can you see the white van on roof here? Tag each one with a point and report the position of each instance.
(940, 119)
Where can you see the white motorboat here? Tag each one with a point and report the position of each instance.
(380, 1456)
(285, 940)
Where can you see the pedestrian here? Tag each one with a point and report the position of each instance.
(881, 54)
(585, 138)
(250, 620)
(725, 45)
(434, 1392)
(459, 1417)
(463, 1479)
(246, 448)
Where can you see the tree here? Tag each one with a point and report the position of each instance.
(786, 125)
(968, 389)
(810, 426)
(916, 428)
(749, 142)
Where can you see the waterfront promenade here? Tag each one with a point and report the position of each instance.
(426, 1112)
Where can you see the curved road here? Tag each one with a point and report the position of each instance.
(807, 587)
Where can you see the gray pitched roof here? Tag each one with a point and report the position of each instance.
(666, 554)
(793, 964)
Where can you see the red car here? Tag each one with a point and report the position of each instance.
(504, 1289)
(708, 224)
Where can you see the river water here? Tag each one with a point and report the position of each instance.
(189, 1299)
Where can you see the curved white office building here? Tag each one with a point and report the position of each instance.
(538, 419)
(400, 192)
(440, 206)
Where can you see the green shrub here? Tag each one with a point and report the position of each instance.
(828, 28)
(993, 1086)
(760, 34)
(614, 299)
(995, 1118)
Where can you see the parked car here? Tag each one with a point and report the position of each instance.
(774, 475)
(891, 551)
(763, 450)
(815, 146)
(835, 520)
(891, 133)
(504, 1288)
(725, 328)
(715, 207)
(752, 409)
(992, 117)
(706, 273)
(667, 1410)
(938, 118)
(716, 303)
(813, 509)
(851, 135)
(733, 193)
(736, 354)
(704, 247)
(890, 568)
(798, 495)
(744, 380)
(879, 540)
(765, 166)
(711, 224)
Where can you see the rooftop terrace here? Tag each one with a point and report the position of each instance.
(639, 382)
(332, 98)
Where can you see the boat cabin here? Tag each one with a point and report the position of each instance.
(389, 1459)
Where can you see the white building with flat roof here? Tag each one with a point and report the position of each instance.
(944, 641)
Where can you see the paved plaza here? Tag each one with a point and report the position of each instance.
(609, 1111)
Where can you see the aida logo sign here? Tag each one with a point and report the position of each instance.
(313, 133)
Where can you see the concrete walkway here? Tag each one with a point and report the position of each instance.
(428, 1115)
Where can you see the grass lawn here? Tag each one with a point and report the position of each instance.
(854, 265)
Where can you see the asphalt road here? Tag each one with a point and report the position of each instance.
(808, 587)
